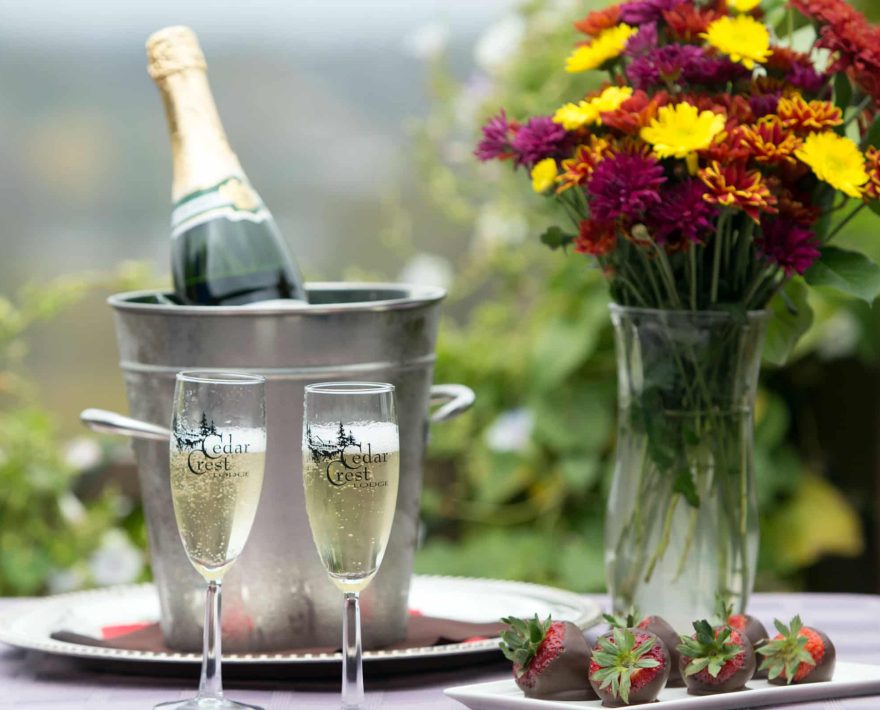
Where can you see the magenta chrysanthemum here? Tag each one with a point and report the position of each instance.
(538, 139)
(764, 104)
(682, 63)
(642, 41)
(807, 79)
(714, 71)
(624, 186)
(790, 246)
(496, 139)
(683, 216)
(639, 12)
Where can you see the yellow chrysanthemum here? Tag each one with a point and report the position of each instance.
(573, 116)
(836, 160)
(608, 45)
(742, 38)
(544, 175)
(586, 113)
(743, 5)
(610, 99)
(681, 130)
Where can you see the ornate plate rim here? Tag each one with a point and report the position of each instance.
(590, 614)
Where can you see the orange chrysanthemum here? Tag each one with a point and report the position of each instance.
(687, 23)
(636, 112)
(594, 23)
(577, 170)
(769, 141)
(736, 186)
(805, 117)
(872, 165)
(631, 145)
(596, 238)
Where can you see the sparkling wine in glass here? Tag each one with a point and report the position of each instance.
(218, 453)
(351, 463)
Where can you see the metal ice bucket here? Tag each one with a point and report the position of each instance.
(277, 595)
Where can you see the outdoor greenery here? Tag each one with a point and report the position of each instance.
(46, 532)
(517, 488)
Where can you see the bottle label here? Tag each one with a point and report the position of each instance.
(232, 199)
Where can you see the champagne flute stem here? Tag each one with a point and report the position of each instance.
(352, 661)
(211, 683)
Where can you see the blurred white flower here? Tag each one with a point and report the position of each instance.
(82, 453)
(427, 41)
(511, 431)
(71, 507)
(428, 270)
(117, 560)
(498, 225)
(66, 580)
(499, 43)
(839, 336)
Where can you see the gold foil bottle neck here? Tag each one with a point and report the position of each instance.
(173, 49)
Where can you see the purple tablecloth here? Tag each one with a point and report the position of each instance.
(37, 682)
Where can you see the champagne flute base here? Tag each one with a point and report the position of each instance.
(205, 704)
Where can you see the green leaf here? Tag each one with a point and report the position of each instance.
(842, 91)
(872, 137)
(874, 206)
(555, 238)
(684, 484)
(785, 327)
(849, 272)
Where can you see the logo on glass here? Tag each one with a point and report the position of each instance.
(344, 460)
(210, 450)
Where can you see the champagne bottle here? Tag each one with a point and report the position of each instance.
(226, 248)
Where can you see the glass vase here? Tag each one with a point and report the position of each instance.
(681, 527)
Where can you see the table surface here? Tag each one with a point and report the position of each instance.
(37, 681)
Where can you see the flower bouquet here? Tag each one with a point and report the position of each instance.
(707, 178)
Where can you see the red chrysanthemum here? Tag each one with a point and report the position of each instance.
(853, 42)
(736, 186)
(725, 148)
(636, 112)
(872, 165)
(687, 22)
(806, 117)
(594, 23)
(797, 209)
(769, 141)
(783, 59)
(596, 238)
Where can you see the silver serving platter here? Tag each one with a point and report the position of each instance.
(31, 625)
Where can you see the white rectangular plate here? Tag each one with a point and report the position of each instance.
(850, 679)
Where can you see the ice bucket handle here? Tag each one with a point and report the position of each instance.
(453, 400)
(105, 422)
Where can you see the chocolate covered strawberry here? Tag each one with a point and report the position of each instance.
(628, 667)
(747, 624)
(798, 654)
(660, 627)
(550, 658)
(716, 660)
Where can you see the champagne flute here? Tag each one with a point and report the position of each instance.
(351, 461)
(218, 453)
